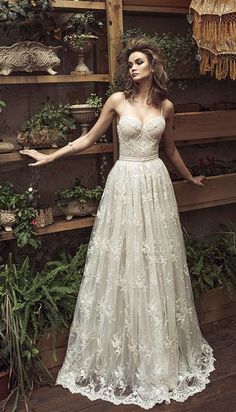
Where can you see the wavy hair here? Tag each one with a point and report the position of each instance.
(146, 45)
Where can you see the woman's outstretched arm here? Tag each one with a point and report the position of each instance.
(107, 114)
(172, 151)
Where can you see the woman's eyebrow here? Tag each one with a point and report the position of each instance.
(139, 58)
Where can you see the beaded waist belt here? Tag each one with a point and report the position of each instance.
(139, 159)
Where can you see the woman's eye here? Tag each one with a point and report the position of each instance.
(139, 62)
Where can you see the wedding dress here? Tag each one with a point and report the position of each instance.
(135, 337)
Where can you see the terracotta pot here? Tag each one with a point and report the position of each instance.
(4, 378)
(75, 208)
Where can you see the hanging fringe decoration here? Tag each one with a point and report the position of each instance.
(214, 30)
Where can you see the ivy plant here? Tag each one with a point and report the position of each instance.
(51, 117)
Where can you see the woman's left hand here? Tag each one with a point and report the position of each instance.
(198, 180)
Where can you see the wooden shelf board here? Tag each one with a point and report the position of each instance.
(59, 225)
(155, 9)
(72, 4)
(95, 149)
(218, 190)
(58, 78)
(205, 140)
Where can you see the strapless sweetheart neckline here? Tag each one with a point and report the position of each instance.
(138, 121)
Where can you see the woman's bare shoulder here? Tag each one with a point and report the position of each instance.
(168, 107)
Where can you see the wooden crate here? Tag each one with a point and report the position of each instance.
(218, 190)
(215, 304)
(196, 127)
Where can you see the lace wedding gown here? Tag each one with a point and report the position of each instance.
(135, 337)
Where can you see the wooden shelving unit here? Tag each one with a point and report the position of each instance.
(58, 78)
(95, 149)
(60, 225)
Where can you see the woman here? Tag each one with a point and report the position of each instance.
(135, 337)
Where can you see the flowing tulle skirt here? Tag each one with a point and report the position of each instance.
(135, 337)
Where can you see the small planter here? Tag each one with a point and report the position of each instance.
(84, 116)
(75, 208)
(218, 190)
(44, 217)
(28, 57)
(82, 46)
(7, 219)
(215, 304)
(6, 147)
(4, 378)
(41, 138)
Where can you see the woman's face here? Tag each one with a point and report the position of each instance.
(139, 66)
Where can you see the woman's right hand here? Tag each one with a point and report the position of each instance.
(41, 158)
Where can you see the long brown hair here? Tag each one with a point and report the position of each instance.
(158, 91)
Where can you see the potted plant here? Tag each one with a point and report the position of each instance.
(212, 267)
(78, 201)
(86, 113)
(80, 38)
(4, 362)
(31, 303)
(46, 128)
(16, 211)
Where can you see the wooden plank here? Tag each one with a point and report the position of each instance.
(218, 190)
(45, 342)
(205, 125)
(58, 78)
(83, 5)
(161, 3)
(215, 304)
(95, 149)
(157, 6)
(154, 9)
(114, 31)
(59, 225)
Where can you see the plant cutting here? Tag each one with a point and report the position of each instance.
(47, 127)
(79, 200)
(2, 105)
(30, 303)
(80, 38)
(16, 210)
(85, 114)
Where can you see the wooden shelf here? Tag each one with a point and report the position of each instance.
(157, 6)
(59, 225)
(95, 149)
(218, 190)
(83, 5)
(58, 78)
(205, 127)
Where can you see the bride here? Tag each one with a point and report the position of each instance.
(135, 337)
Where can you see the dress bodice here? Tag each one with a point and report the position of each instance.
(137, 139)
